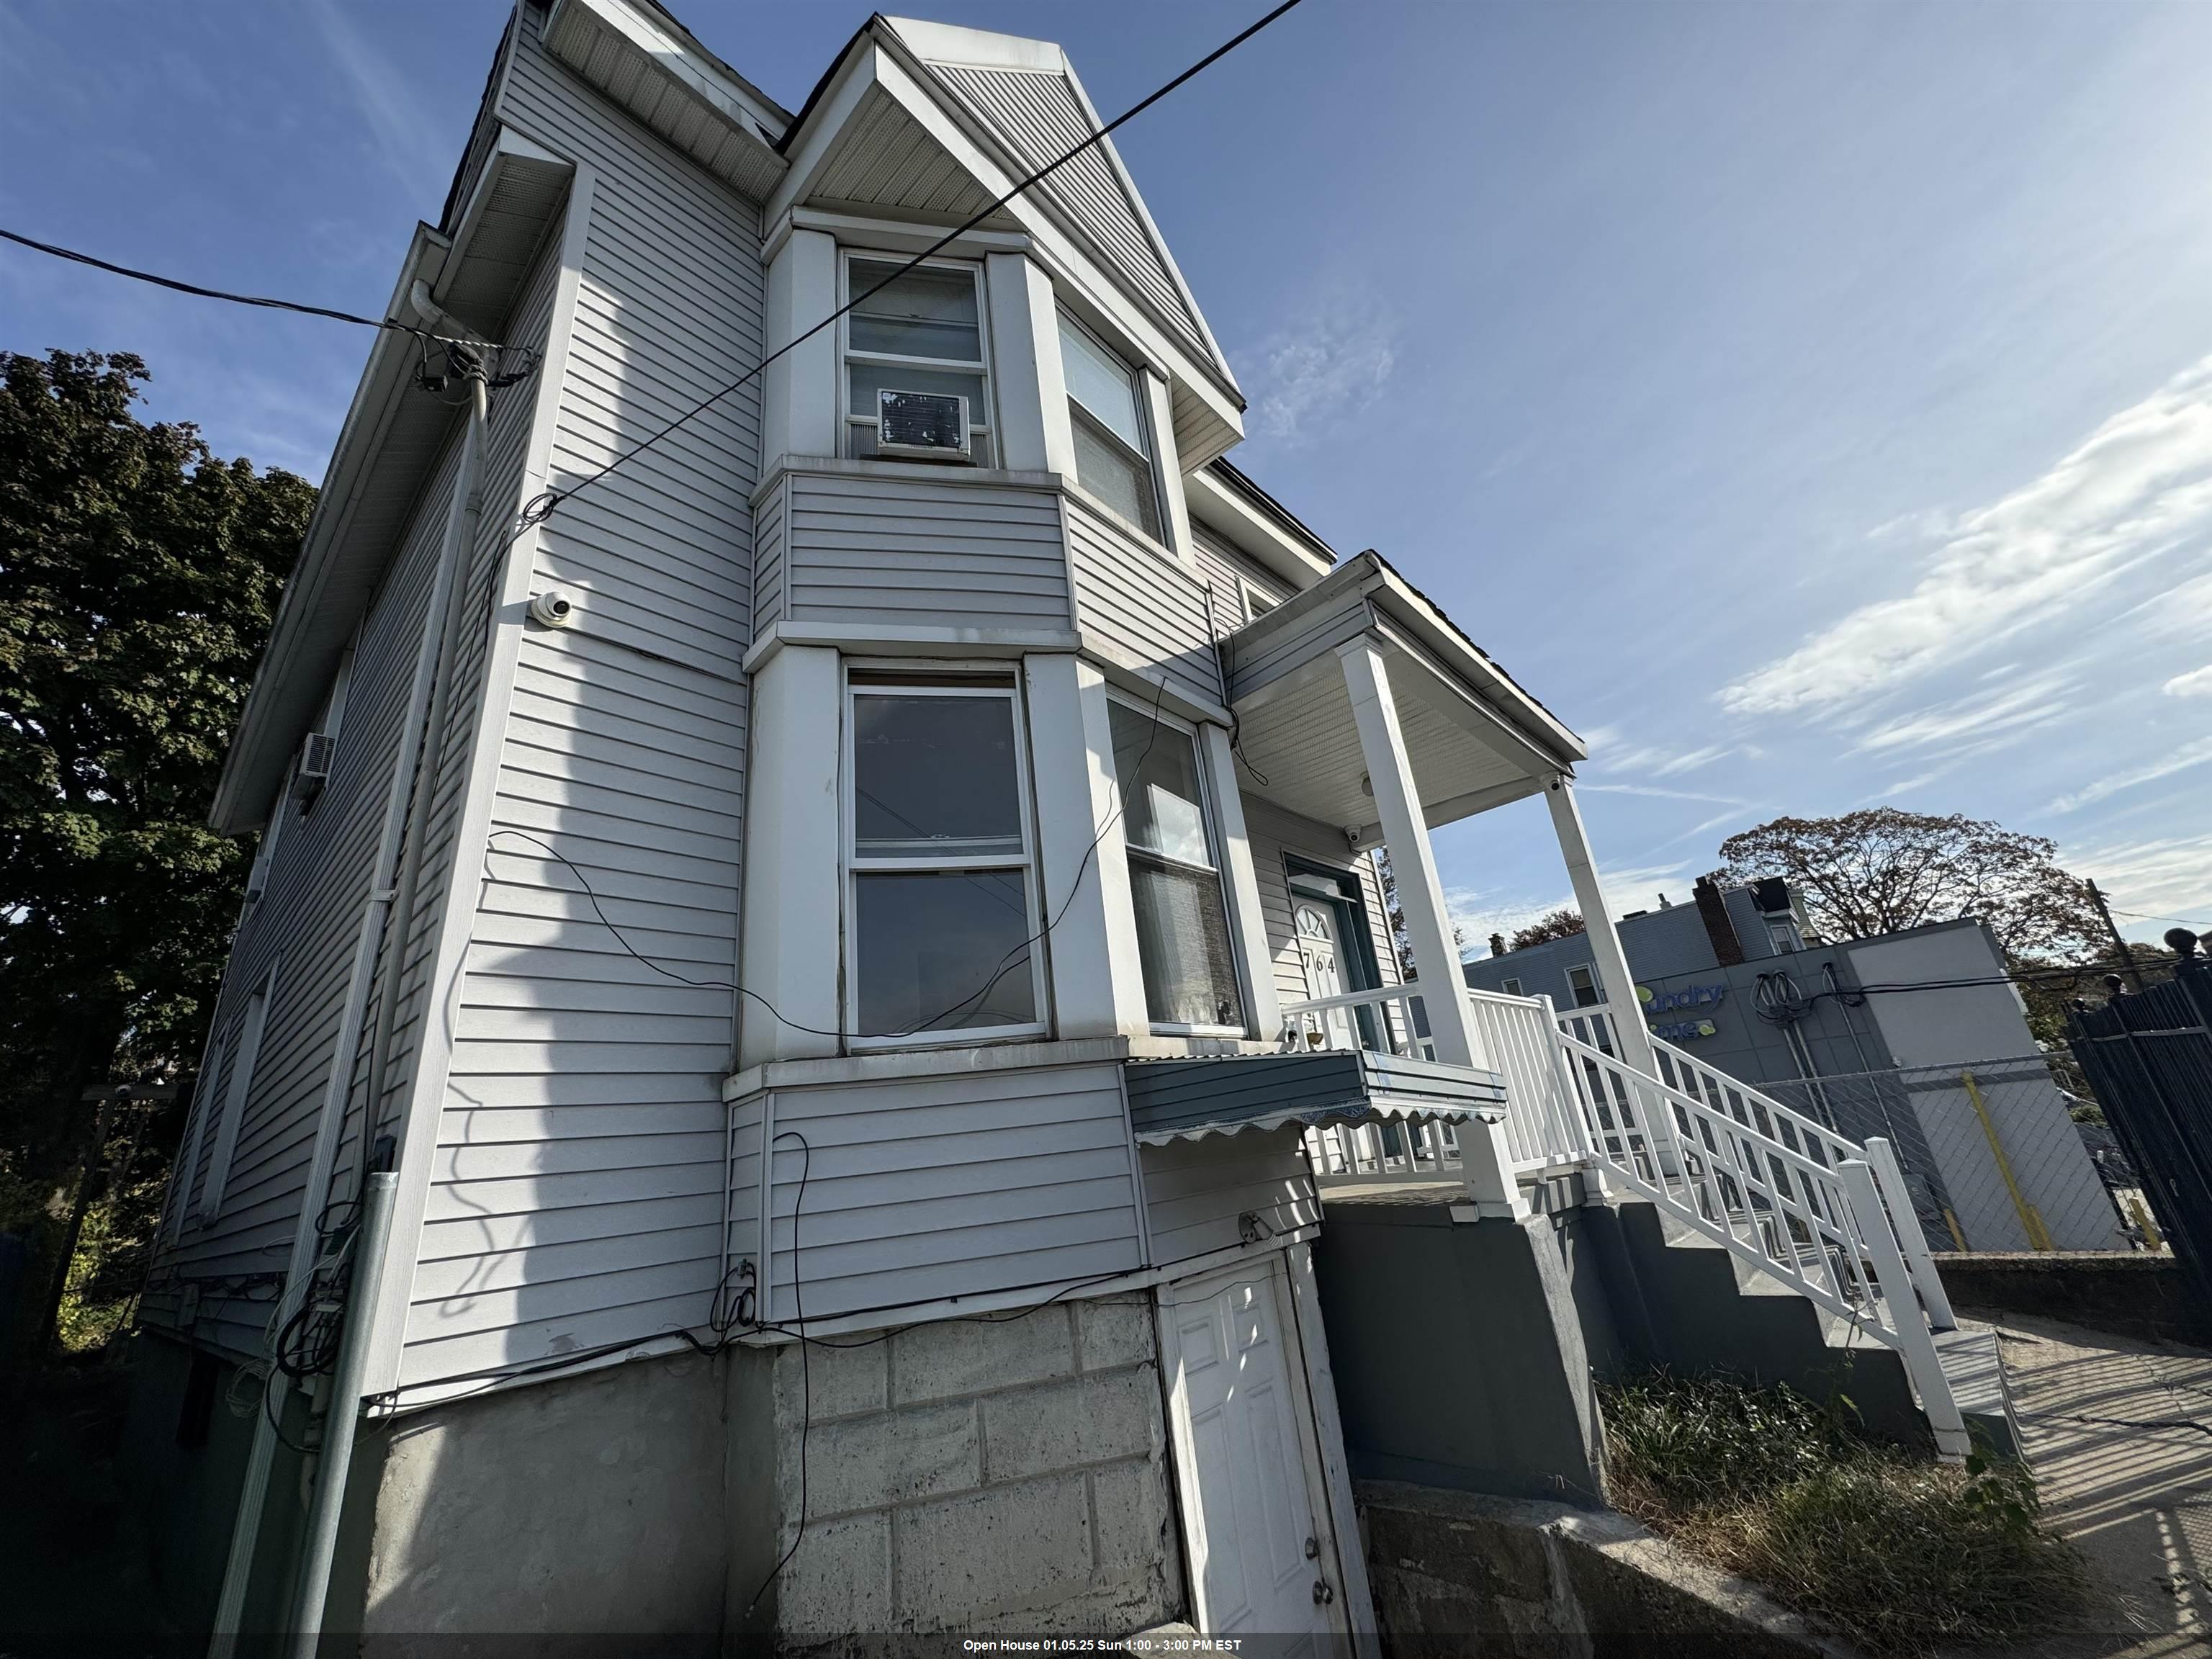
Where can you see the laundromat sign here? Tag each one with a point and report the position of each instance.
(1668, 1002)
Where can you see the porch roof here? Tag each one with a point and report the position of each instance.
(1474, 739)
(1224, 1094)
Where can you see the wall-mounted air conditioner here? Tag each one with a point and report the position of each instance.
(315, 757)
(928, 423)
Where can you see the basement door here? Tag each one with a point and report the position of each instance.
(1261, 1563)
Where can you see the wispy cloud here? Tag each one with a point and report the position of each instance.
(1980, 722)
(2180, 760)
(1656, 760)
(2140, 484)
(2197, 683)
(1323, 369)
(406, 129)
(2152, 883)
(1654, 792)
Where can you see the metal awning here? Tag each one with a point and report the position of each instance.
(1473, 738)
(1226, 1094)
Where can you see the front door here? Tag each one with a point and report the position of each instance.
(1260, 1563)
(1320, 949)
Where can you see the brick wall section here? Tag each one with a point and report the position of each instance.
(1007, 1474)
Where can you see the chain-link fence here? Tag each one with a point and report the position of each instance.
(1988, 1148)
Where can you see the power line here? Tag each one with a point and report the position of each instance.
(2145, 915)
(173, 284)
(543, 506)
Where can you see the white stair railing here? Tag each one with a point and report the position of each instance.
(1775, 1187)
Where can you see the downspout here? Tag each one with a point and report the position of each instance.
(433, 652)
(342, 1412)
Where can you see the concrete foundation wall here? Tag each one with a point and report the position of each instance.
(586, 1505)
(1007, 1474)
(1458, 1352)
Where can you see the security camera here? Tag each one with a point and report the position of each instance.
(553, 609)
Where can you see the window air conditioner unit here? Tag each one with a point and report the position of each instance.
(932, 424)
(315, 757)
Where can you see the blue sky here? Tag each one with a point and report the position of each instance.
(1812, 403)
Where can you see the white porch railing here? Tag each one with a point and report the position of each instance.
(1777, 1189)
(1378, 1019)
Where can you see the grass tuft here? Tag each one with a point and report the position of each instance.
(1899, 1553)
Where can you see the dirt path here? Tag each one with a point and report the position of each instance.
(2120, 1433)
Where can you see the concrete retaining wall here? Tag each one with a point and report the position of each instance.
(2129, 1294)
(1005, 1475)
(1457, 1350)
(1456, 1572)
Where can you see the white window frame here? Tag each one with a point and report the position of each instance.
(1509, 987)
(1252, 590)
(938, 682)
(1596, 984)
(1139, 393)
(244, 1049)
(983, 421)
(1209, 820)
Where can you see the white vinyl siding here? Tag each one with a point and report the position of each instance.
(1197, 1191)
(920, 1188)
(578, 1176)
(1136, 607)
(1242, 592)
(945, 552)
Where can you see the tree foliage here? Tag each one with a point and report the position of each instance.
(1558, 924)
(1878, 870)
(138, 575)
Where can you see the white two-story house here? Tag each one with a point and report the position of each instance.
(763, 1085)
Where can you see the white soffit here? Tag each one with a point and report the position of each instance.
(644, 61)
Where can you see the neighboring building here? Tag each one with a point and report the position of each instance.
(1737, 977)
(886, 863)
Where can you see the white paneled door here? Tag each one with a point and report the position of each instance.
(1261, 1563)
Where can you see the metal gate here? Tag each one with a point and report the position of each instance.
(2149, 1056)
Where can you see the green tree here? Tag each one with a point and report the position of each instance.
(138, 575)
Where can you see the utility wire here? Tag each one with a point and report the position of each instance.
(543, 506)
(172, 282)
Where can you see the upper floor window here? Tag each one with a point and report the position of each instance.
(939, 854)
(1113, 438)
(1511, 988)
(1174, 876)
(921, 331)
(1581, 984)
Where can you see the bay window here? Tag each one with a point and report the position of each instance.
(1113, 441)
(942, 897)
(1175, 877)
(921, 331)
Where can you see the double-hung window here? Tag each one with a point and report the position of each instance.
(942, 903)
(1113, 437)
(1582, 985)
(921, 331)
(1174, 876)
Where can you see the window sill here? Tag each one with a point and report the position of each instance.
(884, 1065)
(874, 467)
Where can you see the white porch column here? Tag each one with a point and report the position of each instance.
(1035, 435)
(1488, 1172)
(1606, 954)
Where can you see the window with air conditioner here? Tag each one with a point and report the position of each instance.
(1112, 431)
(942, 906)
(916, 384)
(1183, 942)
